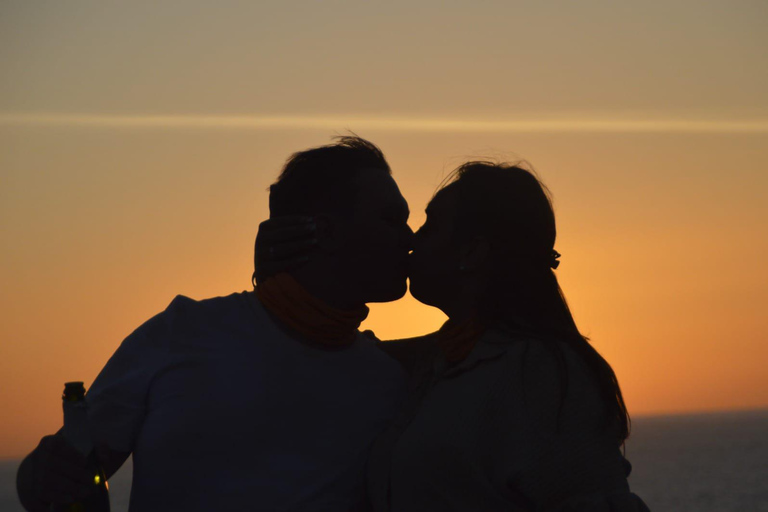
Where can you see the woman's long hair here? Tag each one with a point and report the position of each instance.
(511, 208)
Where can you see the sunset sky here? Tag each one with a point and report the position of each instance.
(137, 141)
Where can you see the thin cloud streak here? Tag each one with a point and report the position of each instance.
(401, 124)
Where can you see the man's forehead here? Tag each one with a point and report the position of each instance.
(377, 190)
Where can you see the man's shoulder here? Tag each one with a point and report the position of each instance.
(184, 314)
(220, 303)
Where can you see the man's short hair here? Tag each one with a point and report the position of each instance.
(322, 179)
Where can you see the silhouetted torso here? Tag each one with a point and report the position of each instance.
(485, 435)
(224, 411)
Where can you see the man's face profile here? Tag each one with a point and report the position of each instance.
(377, 239)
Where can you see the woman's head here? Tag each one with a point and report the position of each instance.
(487, 251)
(489, 237)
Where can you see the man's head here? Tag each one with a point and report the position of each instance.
(361, 216)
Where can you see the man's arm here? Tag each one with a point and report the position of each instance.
(55, 472)
(110, 460)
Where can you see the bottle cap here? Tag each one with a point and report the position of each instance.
(73, 391)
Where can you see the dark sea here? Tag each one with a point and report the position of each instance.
(714, 462)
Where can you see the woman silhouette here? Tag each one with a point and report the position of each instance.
(510, 406)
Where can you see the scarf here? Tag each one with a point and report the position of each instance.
(304, 313)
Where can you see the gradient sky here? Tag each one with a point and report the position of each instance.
(137, 141)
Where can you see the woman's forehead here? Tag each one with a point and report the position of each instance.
(446, 199)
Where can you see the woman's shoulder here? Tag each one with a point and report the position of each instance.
(534, 351)
(547, 375)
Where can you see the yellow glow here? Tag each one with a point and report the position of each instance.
(97, 479)
(589, 124)
(648, 263)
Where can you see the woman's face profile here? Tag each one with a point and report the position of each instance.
(434, 262)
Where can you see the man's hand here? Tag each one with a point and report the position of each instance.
(55, 472)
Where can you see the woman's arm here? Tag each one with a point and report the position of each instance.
(410, 352)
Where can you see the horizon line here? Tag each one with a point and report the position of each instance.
(394, 123)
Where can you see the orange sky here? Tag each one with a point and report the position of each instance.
(650, 126)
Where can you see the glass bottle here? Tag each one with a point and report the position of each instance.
(77, 434)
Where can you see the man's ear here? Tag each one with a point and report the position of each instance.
(326, 231)
(475, 254)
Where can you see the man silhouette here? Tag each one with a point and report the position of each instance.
(263, 400)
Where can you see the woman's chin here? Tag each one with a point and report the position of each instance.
(422, 293)
(392, 292)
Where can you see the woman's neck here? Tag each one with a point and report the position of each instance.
(465, 303)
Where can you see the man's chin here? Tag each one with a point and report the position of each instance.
(392, 294)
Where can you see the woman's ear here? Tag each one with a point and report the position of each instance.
(475, 254)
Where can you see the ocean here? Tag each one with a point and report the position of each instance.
(714, 462)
